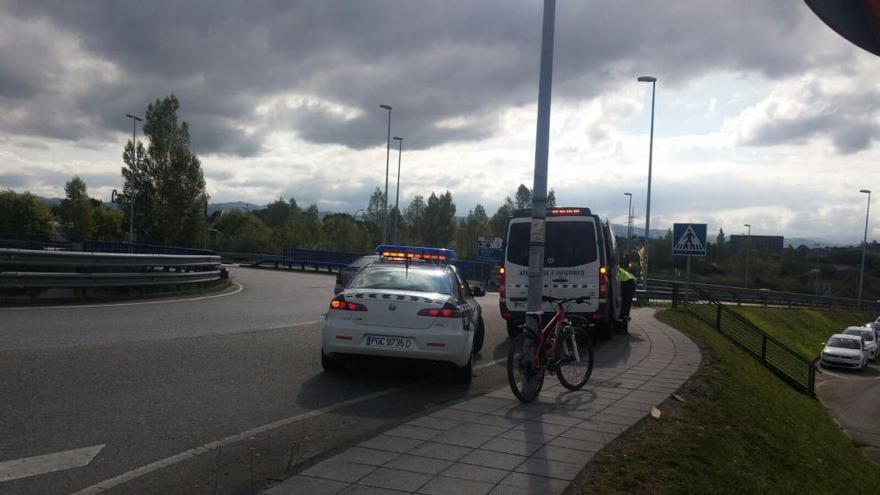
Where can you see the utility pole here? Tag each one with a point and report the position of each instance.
(397, 195)
(387, 162)
(534, 303)
(134, 121)
(644, 267)
(629, 219)
(748, 251)
(864, 246)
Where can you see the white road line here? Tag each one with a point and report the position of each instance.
(42, 464)
(208, 447)
(139, 303)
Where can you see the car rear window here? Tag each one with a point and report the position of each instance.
(567, 244)
(867, 335)
(843, 343)
(400, 278)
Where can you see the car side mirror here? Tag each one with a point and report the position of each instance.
(478, 291)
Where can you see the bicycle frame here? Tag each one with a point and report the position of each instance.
(552, 326)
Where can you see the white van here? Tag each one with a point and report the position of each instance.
(580, 259)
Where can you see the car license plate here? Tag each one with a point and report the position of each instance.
(388, 341)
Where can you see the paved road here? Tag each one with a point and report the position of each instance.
(854, 399)
(150, 381)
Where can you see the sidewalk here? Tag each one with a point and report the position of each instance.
(495, 445)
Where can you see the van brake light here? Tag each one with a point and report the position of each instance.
(603, 282)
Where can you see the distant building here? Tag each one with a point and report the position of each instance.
(760, 243)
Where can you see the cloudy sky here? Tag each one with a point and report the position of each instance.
(764, 115)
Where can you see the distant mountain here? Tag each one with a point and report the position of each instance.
(620, 231)
(233, 205)
(50, 201)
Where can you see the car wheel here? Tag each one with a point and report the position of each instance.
(463, 375)
(513, 329)
(331, 364)
(479, 335)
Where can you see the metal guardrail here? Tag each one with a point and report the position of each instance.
(53, 280)
(77, 259)
(29, 269)
(790, 366)
(479, 271)
(740, 295)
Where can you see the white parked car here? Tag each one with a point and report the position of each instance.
(868, 336)
(847, 351)
(409, 304)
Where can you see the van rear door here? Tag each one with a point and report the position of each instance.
(571, 262)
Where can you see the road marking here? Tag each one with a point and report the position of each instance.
(42, 464)
(139, 303)
(208, 447)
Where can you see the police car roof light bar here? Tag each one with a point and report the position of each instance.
(391, 251)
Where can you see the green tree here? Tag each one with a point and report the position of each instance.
(439, 220)
(341, 232)
(413, 218)
(167, 182)
(470, 229)
(499, 220)
(24, 215)
(107, 223)
(75, 210)
(720, 245)
(523, 198)
(243, 232)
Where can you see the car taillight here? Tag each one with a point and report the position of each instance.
(447, 311)
(341, 304)
(501, 279)
(603, 282)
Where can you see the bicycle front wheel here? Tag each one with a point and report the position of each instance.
(523, 376)
(576, 358)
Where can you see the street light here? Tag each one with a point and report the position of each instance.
(748, 251)
(397, 195)
(629, 216)
(653, 81)
(134, 121)
(387, 161)
(864, 246)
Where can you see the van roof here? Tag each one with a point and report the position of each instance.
(555, 212)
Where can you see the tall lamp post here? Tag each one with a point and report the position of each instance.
(534, 304)
(397, 194)
(134, 121)
(864, 245)
(387, 161)
(748, 251)
(653, 81)
(629, 218)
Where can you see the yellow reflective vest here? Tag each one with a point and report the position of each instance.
(623, 275)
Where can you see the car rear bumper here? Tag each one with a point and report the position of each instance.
(840, 362)
(449, 345)
(601, 315)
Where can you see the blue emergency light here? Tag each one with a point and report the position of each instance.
(391, 251)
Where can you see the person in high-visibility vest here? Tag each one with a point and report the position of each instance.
(627, 291)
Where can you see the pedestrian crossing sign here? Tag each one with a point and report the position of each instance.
(689, 239)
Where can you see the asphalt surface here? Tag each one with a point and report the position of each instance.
(853, 397)
(153, 380)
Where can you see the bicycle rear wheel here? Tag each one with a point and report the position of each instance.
(524, 378)
(576, 358)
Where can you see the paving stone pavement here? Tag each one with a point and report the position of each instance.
(495, 445)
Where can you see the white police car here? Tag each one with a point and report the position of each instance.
(412, 303)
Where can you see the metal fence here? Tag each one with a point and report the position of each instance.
(674, 290)
(793, 368)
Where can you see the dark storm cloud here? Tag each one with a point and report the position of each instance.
(433, 61)
(848, 120)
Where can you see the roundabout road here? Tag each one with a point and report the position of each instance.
(152, 381)
(854, 399)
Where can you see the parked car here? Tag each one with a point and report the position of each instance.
(846, 351)
(868, 336)
(406, 307)
(348, 272)
(580, 260)
(876, 326)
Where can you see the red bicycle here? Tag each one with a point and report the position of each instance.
(563, 347)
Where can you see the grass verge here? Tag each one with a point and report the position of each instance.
(740, 430)
(804, 330)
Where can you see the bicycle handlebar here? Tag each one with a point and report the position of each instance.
(563, 300)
